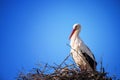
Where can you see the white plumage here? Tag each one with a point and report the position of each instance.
(81, 54)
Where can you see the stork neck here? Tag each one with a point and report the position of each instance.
(75, 35)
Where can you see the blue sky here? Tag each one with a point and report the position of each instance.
(37, 32)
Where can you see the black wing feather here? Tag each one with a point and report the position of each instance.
(91, 62)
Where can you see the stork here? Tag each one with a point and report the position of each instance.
(81, 54)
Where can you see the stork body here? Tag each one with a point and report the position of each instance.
(81, 54)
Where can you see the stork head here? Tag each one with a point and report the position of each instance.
(76, 27)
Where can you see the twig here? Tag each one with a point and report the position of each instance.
(63, 61)
(44, 68)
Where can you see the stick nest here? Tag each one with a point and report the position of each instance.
(68, 72)
(63, 71)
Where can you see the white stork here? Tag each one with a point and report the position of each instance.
(81, 54)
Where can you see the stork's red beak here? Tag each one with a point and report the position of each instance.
(72, 33)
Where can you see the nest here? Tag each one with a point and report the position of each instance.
(63, 72)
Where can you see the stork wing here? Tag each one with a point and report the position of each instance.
(88, 56)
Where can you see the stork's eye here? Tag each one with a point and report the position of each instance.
(76, 27)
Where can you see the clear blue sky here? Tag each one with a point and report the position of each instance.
(38, 31)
